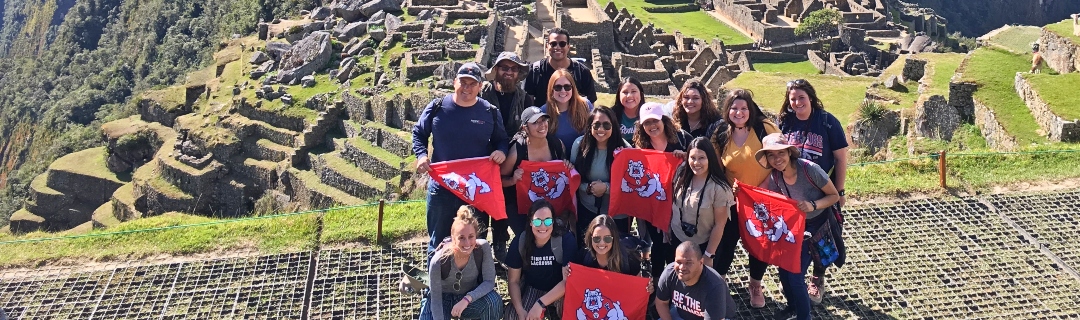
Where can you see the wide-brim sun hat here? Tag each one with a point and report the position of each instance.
(773, 142)
(523, 67)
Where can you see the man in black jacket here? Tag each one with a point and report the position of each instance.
(558, 50)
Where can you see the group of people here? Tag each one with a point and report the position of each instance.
(552, 116)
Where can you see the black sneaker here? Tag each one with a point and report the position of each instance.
(499, 251)
(785, 314)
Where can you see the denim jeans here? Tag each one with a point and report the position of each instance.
(442, 207)
(795, 283)
(488, 307)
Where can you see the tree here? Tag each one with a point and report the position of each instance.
(819, 22)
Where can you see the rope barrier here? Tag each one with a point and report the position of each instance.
(330, 210)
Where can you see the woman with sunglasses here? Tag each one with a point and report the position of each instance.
(533, 143)
(820, 138)
(694, 109)
(736, 139)
(702, 200)
(592, 155)
(462, 292)
(809, 186)
(628, 106)
(657, 131)
(565, 105)
(605, 250)
(535, 273)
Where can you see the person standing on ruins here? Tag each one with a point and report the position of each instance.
(501, 90)
(460, 125)
(558, 57)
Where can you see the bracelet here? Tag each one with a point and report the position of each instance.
(841, 192)
(467, 299)
(541, 304)
(813, 204)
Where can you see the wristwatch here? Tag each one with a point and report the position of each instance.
(841, 192)
(708, 255)
(541, 303)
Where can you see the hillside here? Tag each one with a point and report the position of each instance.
(973, 18)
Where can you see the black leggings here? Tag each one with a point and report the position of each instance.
(726, 252)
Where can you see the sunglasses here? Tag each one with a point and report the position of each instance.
(598, 125)
(508, 68)
(562, 87)
(457, 284)
(545, 221)
(605, 239)
(557, 43)
(797, 83)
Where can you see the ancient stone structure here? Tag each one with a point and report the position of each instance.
(1056, 128)
(874, 134)
(1060, 52)
(934, 118)
(305, 57)
(914, 69)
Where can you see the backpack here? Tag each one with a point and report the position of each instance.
(477, 258)
(556, 248)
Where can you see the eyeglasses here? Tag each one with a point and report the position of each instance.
(508, 68)
(797, 83)
(545, 221)
(562, 87)
(605, 239)
(457, 285)
(598, 125)
(557, 43)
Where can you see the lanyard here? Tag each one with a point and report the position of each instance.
(701, 196)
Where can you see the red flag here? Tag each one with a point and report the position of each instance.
(641, 184)
(474, 180)
(548, 180)
(597, 294)
(771, 226)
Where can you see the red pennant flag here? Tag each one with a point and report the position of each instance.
(771, 226)
(641, 185)
(474, 180)
(597, 294)
(548, 180)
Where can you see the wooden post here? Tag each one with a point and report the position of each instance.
(941, 170)
(378, 235)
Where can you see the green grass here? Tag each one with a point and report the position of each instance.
(89, 162)
(986, 171)
(271, 235)
(1064, 29)
(311, 181)
(1017, 39)
(380, 153)
(943, 66)
(397, 50)
(940, 69)
(339, 164)
(995, 71)
(400, 222)
(841, 95)
(170, 98)
(1059, 92)
(803, 67)
(697, 24)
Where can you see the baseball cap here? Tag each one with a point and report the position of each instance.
(532, 114)
(471, 70)
(652, 110)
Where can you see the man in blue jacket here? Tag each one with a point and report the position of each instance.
(460, 125)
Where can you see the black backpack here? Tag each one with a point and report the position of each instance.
(477, 258)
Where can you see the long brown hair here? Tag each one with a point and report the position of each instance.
(589, 148)
(755, 119)
(530, 239)
(642, 140)
(805, 86)
(579, 109)
(615, 256)
(709, 112)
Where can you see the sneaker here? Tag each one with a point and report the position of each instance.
(499, 251)
(785, 314)
(757, 294)
(816, 289)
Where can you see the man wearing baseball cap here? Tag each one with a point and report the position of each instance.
(502, 90)
(459, 125)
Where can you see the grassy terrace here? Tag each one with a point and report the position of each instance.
(940, 69)
(1059, 92)
(1064, 29)
(841, 95)
(995, 71)
(89, 162)
(697, 24)
(803, 67)
(1018, 39)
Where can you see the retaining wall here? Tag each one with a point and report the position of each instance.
(1060, 52)
(992, 130)
(1058, 129)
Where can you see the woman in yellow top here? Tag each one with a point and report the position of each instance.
(736, 140)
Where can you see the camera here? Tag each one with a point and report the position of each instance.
(689, 229)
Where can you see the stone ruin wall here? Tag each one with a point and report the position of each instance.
(1060, 52)
(1057, 129)
(603, 30)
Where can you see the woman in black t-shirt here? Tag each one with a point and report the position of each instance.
(536, 261)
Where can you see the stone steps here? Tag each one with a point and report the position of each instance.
(105, 216)
(336, 172)
(264, 149)
(23, 221)
(310, 192)
(314, 134)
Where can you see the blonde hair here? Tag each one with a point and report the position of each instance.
(466, 216)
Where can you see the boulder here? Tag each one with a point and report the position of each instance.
(446, 71)
(873, 134)
(321, 13)
(373, 6)
(308, 81)
(346, 71)
(935, 118)
(259, 57)
(306, 57)
(366, 52)
(354, 49)
(276, 49)
(236, 90)
(350, 31)
(378, 16)
(914, 69)
(287, 99)
(263, 68)
(378, 34)
(893, 83)
(392, 23)
(349, 10)
(424, 15)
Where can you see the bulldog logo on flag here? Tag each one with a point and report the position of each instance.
(631, 182)
(549, 180)
(644, 179)
(772, 226)
(471, 180)
(598, 294)
(598, 307)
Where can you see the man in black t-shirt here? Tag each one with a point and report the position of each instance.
(689, 290)
(501, 89)
(558, 57)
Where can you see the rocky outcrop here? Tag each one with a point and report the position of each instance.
(914, 69)
(992, 130)
(874, 132)
(1056, 128)
(305, 57)
(1059, 51)
(934, 118)
(961, 97)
